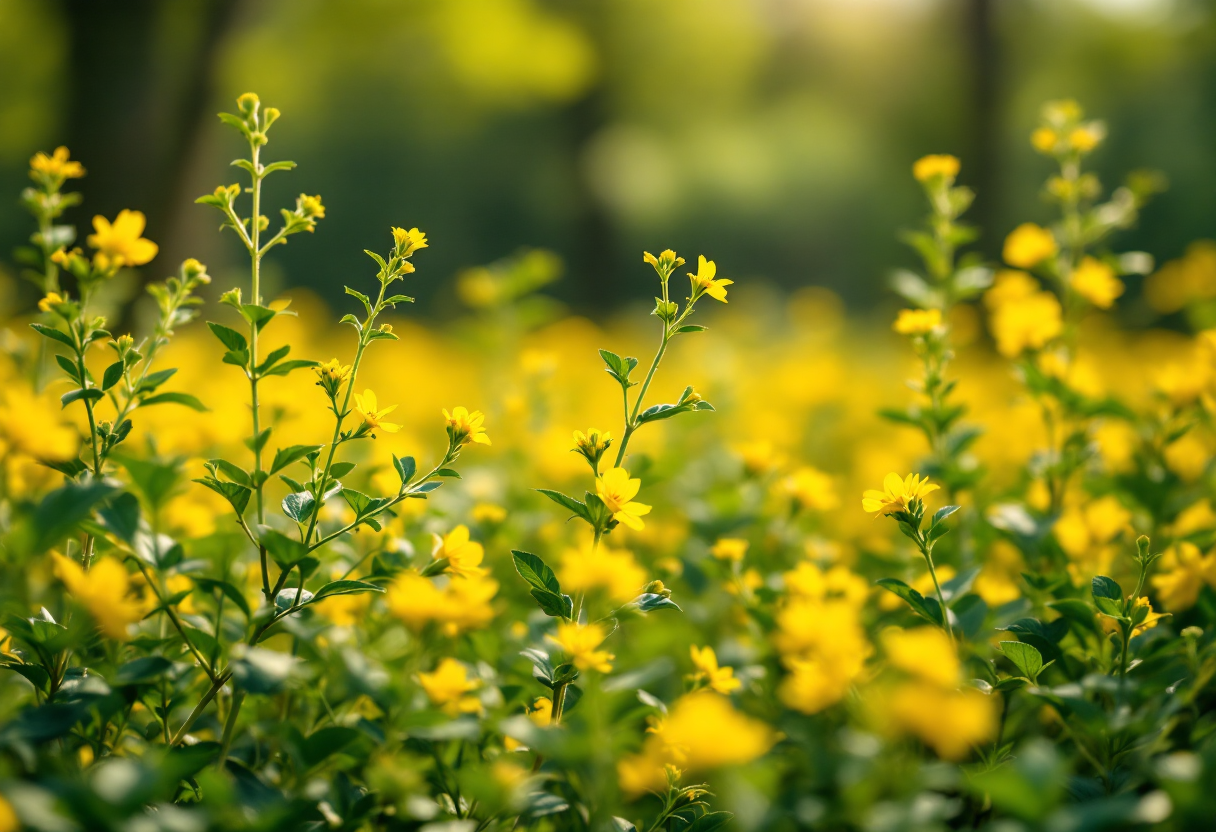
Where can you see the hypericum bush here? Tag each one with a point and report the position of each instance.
(251, 609)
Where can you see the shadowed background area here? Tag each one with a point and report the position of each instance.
(764, 133)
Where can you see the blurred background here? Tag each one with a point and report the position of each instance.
(775, 136)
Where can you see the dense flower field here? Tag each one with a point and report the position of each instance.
(236, 596)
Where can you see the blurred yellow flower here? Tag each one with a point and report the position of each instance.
(917, 321)
(729, 548)
(449, 687)
(1110, 625)
(488, 513)
(897, 493)
(812, 489)
(1181, 575)
(373, 418)
(9, 822)
(614, 570)
(1027, 322)
(1044, 139)
(1086, 137)
(119, 243)
(617, 491)
(926, 652)
(106, 591)
(948, 721)
(703, 282)
(935, 165)
(57, 166)
(758, 457)
(32, 425)
(541, 711)
(465, 427)
(1028, 245)
(463, 604)
(311, 207)
(464, 555)
(344, 610)
(580, 643)
(1096, 282)
(720, 679)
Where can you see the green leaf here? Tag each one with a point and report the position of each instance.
(121, 516)
(298, 506)
(186, 399)
(406, 468)
(942, 513)
(710, 821)
(60, 513)
(237, 495)
(285, 367)
(554, 604)
(346, 587)
(53, 334)
(274, 356)
(285, 456)
(359, 502)
(263, 671)
(536, 572)
(112, 375)
(1104, 587)
(926, 608)
(648, 601)
(153, 380)
(1024, 657)
(692, 328)
(580, 509)
(448, 472)
(66, 364)
(91, 394)
(229, 337)
(341, 469)
(286, 551)
(233, 594)
(142, 671)
(257, 316)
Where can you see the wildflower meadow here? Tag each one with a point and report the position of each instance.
(741, 563)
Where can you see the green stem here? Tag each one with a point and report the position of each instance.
(941, 599)
(230, 728)
(632, 418)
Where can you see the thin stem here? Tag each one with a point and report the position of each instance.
(632, 418)
(941, 599)
(230, 728)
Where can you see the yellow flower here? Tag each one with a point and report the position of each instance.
(366, 406)
(48, 303)
(729, 548)
(703, 282)
(464, 555)
(580, 643)
(999, 581)
(614, 570)
(1086, 137)
(758, 457)
(682, 742)
(808, 581)
(463, 604)
(9, 822)
(665, 263)
(917, 321)
(119, 243)
(897, 494)
(344, 610)
(592, 444)
(1028, 245)
(181, 583)
(55, 167)
(936, 165)
(1096, 282)
(541, 711)
(449, 686)
(465, 427)
(488, 513)
(1182, 573)
(948, 721)
(310, 207)
(106, 591)
(408, 242)
(1110, 625)
(617, 491)
(331, 376)
(812, 489)
(34, 426)
(923, 651)
(1044, 140)
(721, 679)
(1028, 322)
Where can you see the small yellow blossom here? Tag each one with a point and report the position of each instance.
(1028, 245)
(592, 444)
(617, 491)
(703, 282)
(1096, 282)
(119, 243)
(926, 652)
(408, 242)
(465, 427)
(917, 321)
(464, 555)
(373, 418)
(948, 721)
(812, 489)
(331, 376)
(580, 643)
(758, 457)
(720, 679)
(1027, 322)
(488, 513)
(1180, 577)
(344, 610)
(541, 711)
(106, 591)
(935, 165)
(613, 570)
(461, 605)
(1044, 140)
(56, 167)
(1086, 137)
(48, 303)
(310, 207)
(898, 493)
(1110, 625)
(729, 548)
(449, 687)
